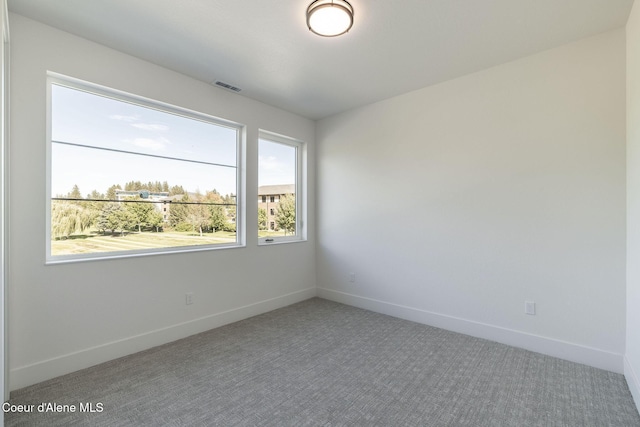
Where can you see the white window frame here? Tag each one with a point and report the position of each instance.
(73, 83)
(301, 188)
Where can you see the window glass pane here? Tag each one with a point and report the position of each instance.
(129, 178)
(80, 117)
(91, 169)
(277, 177)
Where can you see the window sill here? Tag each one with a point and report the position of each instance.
(280, 241)
(65, 259)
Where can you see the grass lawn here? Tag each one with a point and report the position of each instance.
(269, 233)
(95, 243)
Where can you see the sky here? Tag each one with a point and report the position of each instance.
(276, 163)
(91, 120)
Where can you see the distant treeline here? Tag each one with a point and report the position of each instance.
(182, 211)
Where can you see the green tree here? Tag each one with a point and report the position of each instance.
(95, 194)
(140, 212)
(94, 206)
(155, 220)
(197, 214)
(176, 189)
(134, 186)
(217, 215)
(286, 214)
(262, 219)
(68, 218)
(115, 217)
(74, 193)
(230, 209)
(218, 218)
(178, 211)
(154, 186)
(111, 191)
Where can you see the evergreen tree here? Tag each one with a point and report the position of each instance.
(140, 212)
(134, 186)
(115, 217)
(75, 193)
(95, 195)
(176, 189)
(94, 206)
(111, 191)
(217, 216)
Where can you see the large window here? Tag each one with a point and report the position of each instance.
(281, 182)
(131, 176)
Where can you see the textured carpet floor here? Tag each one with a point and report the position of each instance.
(319, 363)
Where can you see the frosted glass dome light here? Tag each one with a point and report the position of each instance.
(329, 18)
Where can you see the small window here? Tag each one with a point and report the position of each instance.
(264, 199)
(130, 176)
(281, 175)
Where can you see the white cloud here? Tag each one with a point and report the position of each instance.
(151, 126)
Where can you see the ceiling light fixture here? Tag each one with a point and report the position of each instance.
(329, 18)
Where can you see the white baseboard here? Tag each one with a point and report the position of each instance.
(31, 374)
(633, 381)
(561, 349)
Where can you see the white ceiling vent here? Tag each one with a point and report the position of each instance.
(227, 86)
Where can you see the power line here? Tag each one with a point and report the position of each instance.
(165, 202)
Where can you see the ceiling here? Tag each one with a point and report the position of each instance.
(264, 47)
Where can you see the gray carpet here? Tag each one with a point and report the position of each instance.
(319, 363)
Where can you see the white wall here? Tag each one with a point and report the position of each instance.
(65, 317)
(632, 355)
(455, 203)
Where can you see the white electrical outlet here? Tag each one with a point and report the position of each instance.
(530, 307)
(188, 298)
(352, 277)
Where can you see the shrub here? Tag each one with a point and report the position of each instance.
(183, 226)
